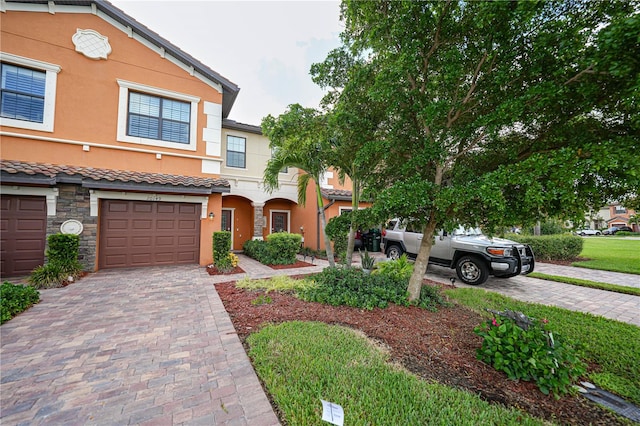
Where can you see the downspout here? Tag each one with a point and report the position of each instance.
(332, 202)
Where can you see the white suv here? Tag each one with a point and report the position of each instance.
(473, 255)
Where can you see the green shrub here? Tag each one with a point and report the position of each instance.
(399, 269)
(62, 262)
(279, 249)
(15, 299)
(350, 287)
(257, 249)
(283, 248)
(221, 249)
(532, 354)
(552, 247)
(627, 234)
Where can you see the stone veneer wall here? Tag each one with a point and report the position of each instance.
(73, 203)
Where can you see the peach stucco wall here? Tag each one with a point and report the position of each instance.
(87, 93)
(86, 103)
(242, 217)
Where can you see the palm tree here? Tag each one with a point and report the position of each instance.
(298, 138)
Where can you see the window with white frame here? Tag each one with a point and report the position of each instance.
(620, 210)
(159, 118)
(236, 152)
(27, 92)
(153, 116)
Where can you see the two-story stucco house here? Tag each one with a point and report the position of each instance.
(112, 132)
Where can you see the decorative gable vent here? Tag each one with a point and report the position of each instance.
(91, 44)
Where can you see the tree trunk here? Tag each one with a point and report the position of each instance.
(323, 224)
(355, 202)
(422, 261)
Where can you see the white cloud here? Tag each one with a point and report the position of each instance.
(265, 47)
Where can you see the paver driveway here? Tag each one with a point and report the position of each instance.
(136, 346)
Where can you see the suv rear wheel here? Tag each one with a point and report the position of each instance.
(472, 270)
(394, 252)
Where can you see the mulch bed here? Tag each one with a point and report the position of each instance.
(438, 346)
(298, 264)
(212, 270)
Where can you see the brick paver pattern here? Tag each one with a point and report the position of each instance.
(146, 346)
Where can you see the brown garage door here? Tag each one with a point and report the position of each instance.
(23, 225)
(143, 233)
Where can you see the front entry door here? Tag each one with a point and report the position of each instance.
(226, 224)
(279, 222)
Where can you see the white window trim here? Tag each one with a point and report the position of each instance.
(342, 209)
(271, 212)
(226, 153)
(123, 109)
(51, 78)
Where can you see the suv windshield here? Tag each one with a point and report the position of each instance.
(467, 231)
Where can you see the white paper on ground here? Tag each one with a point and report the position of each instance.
(332, 413)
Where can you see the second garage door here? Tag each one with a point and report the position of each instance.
(144, 233)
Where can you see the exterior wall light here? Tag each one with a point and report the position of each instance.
(211, 215)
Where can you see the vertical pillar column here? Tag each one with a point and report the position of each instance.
(258, 220)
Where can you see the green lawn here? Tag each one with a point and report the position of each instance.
(301, 363)
(617, 254)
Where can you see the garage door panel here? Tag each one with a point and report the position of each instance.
(187, 240)
(165, 241)
(165, 208)
(31, 225)
(142, 224)
(189, 209)
(186, 257)
(187, 224)
(149, 233)
(142, 207)
(29, 205)
(118, 206)
(165, 224)
(142, 242)
(23, 225)
(118, 224)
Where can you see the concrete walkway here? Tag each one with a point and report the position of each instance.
(151, 346)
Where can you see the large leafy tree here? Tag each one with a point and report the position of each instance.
(496, 113)
(299, 138)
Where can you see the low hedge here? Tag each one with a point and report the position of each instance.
(15, 299)
(279, 249)
(552, 247)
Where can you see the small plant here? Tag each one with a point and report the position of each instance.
(263, 299)
(15, 299)
(400, 268)
(530, 352)
(367, 261)
(62, 266)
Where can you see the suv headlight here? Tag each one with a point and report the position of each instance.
(499, 251)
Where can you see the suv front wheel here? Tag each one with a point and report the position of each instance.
(472, 270)
(394, 252)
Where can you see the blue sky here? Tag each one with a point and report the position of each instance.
(265, 47)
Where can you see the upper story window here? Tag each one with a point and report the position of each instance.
(153, 116)
(236, 152)
(620, 210)
(28, 92)
(158, 118)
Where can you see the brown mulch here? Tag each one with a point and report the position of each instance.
(298, 264)
(212, 270)
(438, 346)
